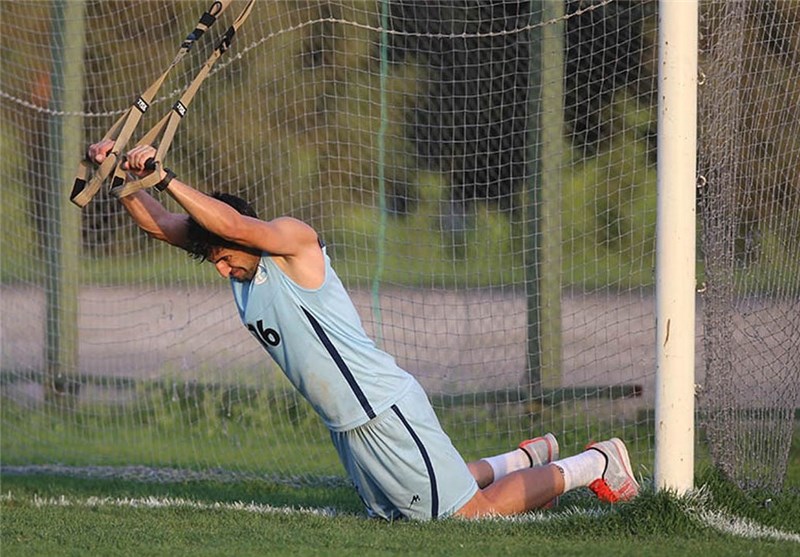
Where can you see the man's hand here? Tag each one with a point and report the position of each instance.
(136, 161)
(97, 152)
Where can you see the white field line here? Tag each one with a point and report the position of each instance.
(171, 502)
(743, 528)
(699, 506)
(718, 520)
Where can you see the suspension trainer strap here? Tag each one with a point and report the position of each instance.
(84, 189)
(169, 123)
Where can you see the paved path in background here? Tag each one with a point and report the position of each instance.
(453, 342)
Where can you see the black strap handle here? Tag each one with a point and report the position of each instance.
(84, 188)
(168, 125)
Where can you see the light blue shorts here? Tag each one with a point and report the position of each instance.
(404, 465)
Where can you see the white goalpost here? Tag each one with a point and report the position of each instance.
(675, 245)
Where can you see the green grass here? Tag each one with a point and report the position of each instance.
(267, 430)
(71, 512)
(280, 522)
(58, 514)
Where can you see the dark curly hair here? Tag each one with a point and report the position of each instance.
(200, 242)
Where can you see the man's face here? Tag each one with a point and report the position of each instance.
(233, 263)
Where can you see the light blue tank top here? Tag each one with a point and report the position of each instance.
(317, 339)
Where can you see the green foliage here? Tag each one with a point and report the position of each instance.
(318, 155)
(609, 208)
(17, 233)
(332, 154)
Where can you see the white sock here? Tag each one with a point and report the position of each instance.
(582, 469)
(509, 462)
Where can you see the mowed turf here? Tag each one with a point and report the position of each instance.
(56, 515)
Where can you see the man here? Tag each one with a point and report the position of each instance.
(380, 420)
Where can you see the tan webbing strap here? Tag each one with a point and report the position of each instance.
(84, 189)
(169, 123)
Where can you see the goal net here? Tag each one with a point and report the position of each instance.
(484, 176)
(749, 198)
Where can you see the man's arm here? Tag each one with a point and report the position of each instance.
(284, 236)
(293, 243)
(155, 220)
(150, 215)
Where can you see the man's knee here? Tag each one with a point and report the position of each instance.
(479, 505)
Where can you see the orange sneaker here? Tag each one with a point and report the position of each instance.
(541, 450)
(617, 482)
